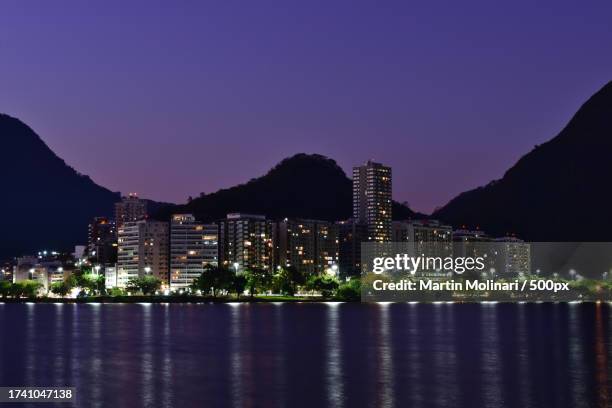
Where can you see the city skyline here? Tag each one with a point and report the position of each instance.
(183, 92)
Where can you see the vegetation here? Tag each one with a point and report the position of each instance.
(324, 284)
(214, 280)
(350, 291)
(60, 289)
(27, 289)
(147, 284)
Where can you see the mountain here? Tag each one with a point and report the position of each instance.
(560, 191)
(302, 186)
(44, 202)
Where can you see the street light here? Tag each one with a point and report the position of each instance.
(334, 269)
(97, 268)
(236, 265)
(147, 269)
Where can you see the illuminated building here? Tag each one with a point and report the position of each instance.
(425, 238)
(102, 241)
(512, 256)
(245, 242)
(311, 246)
(130, 209)
(350, 236)
(142, 250)
(372, 203)
(192, 246)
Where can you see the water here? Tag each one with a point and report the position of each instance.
(313, 355)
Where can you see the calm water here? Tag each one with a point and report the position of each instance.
(313, 355)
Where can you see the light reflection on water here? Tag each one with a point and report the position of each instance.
(293, 355)
(334, 379)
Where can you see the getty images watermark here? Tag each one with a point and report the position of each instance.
(486, 271)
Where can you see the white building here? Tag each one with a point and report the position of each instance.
(142, 250)
(110, 277)
(192, 246)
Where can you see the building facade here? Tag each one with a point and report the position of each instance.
(130, 209)
(143, 249)
(311, 246)
(102, 241)
(350, 236)
(372, 201)
(512, 256)
(246, 242)
(425, 238)
(193, 246)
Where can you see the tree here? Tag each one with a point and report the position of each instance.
(60, 288)
(100, 285)
(117, 292)
(5, 288)
(327, 285)
(146, 284)
(203, 283)
(213, 280)
(26, 288)
(257, 279)
(87, 282)
(350, 291)
(239, 283)
(286, 280)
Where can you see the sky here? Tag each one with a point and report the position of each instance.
(170, 99)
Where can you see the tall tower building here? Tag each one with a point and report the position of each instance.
(372, 200)
(192, 246)
(130, 209)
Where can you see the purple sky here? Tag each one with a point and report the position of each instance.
(171, 100)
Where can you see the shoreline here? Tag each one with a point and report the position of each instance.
(279, 299)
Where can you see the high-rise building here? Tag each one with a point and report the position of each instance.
(192, 246)
(210, 250)
(102, 241)
(311, 246)
(425, 238)
(130, 209)
(327, 247)
(350, 236)
(512, 256)
(421, 231)
(245, 242)
(372, 202)
(474, 244)
(142, 250)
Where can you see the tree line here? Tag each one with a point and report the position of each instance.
(215, 281)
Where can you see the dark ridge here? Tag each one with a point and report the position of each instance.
(303, 186)
(557, 192)
(44, 202)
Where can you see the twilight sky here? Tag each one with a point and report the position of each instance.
(173, 98)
